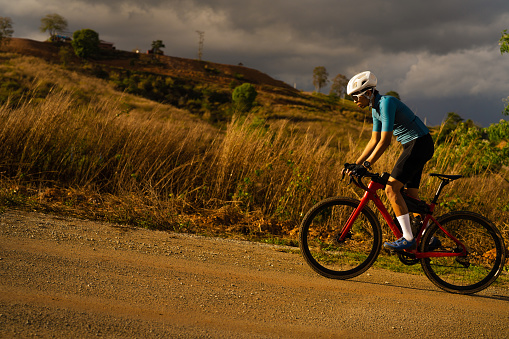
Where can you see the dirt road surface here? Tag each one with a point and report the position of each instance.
(64, 277)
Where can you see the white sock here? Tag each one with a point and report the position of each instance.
(404, 221)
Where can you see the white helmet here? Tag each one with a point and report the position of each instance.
(360, 82)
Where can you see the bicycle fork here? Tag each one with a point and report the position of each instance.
(370, 194)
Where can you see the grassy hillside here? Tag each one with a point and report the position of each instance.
(199, 89)
(75, 141)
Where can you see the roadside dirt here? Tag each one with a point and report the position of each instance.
(64, 277)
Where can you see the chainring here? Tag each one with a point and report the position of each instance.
(407, 258)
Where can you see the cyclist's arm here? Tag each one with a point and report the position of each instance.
(375, 138)
(381, 146)
(376, 147)
(383, 124)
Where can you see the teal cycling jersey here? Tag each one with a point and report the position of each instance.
(391, 115)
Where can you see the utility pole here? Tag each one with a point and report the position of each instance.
(200, 44)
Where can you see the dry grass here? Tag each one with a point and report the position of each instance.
(125, 159)
(96, 161)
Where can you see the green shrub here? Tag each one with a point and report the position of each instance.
(473, 150)
(85, 43)
(243, 97)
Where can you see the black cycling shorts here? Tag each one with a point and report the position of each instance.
(410, 164)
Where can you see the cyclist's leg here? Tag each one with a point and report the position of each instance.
(412, 185)
(412, 192)
(410, 165)
(426, 150)
(408, 169)
(393, 191)
(399, 176)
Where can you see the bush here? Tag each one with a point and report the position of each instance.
(244, 97)
(472, 150)
(85, 43)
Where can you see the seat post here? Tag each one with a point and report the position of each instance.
(444, 183)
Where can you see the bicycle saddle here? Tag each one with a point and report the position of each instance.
(446, 176)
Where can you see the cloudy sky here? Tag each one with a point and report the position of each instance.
(440, 56)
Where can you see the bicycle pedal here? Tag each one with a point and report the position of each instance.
(390, 251)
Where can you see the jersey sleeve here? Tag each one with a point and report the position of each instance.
(377, 124)
(387, 114)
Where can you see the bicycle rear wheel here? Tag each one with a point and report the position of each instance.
(319, 233)
(465, 274)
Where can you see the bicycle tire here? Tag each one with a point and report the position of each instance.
(318, 233)
(485, 253)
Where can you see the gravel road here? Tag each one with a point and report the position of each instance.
(64, 277)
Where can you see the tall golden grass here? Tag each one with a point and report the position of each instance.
(173, 174)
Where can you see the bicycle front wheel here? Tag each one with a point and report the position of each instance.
(319, 238)
(483, 262)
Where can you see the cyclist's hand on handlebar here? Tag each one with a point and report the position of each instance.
(354, 169)
(359, 170)
(347, 170)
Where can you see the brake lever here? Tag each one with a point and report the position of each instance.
(350, 179)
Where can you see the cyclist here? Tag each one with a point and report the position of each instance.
(392, 117)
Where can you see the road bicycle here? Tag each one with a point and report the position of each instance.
(460, 252)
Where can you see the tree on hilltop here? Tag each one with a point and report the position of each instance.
(156, 46)
(6, 30)
(320, 78)
(53, 24)
(450, 123)
(85, 43)
(338, 86)
(393, 94)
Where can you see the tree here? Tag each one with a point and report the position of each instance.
(338, 86)
(393, 94)
(504, 42)
(448, 125)
(85, 43)
(243, 97)
(6, 30)
(53, 24)
(320, 78)
(156, 46)
(65, 55)
(504, 48)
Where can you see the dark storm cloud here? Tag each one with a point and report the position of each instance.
(434, 26)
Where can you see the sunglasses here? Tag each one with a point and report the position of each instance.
(356, 97)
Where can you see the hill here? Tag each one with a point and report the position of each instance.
(201, 88)
(160, 64)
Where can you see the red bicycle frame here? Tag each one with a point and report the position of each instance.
(371, 195)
